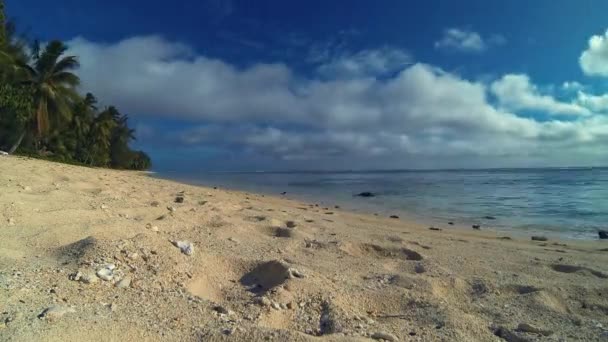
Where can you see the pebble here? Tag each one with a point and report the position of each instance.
(124, 283)
(419, 268)
(295, 273)
(185, 246)
(171, 209)
(384, 336)
(103, 206)
(88, 278)
(55, 312)
(106, 273)
(276, 306)
(263, 301)
(539, 238)
(11, 221)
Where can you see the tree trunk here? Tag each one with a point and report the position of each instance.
(16, 146)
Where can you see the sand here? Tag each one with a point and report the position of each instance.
(246, 274)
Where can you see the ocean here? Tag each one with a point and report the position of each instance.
(563, 202)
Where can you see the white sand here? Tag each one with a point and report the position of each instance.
(339, 276)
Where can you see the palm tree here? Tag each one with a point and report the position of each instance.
(53, 84)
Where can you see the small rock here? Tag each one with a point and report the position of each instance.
(290, 224)
(103, 206)
(171, 209)
(476, 226)
(451, 223)
(394, 216)
(262, 301)
(154, 228)
(433, 228)
(88, 278)
(222, 310)
(603, 234)
(155, 203)
(384, 336)
(295, 273)
(185, 246)
(132, 256)
(365, 194)
(55, 312)
(106, 273)
(179, 199)
(539, 238)
(419, 268)
(276, 306)
(124, 283)
(11, 221)
(529, 328)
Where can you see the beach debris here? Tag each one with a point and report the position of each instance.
(603, 234)
(434, 228)
(384, 336)
(185, 247)
(179, 199)
(55, 312)
(123, 283)
(476, 226)
(106, 273)
(365, 194)
(2, 153)
(529, 328)
(539, 238)
(394, 216)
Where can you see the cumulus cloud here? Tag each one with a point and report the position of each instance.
(594, 60)
(598, 103)
(465, 40)
(420, 111)
(516, 92)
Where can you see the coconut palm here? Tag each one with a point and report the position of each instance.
(53, 84)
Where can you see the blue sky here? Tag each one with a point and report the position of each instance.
(226, 85)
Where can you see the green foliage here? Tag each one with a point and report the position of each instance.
(42, 114)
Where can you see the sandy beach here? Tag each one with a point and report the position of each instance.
(102, 255)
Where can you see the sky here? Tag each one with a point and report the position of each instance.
(228, 85)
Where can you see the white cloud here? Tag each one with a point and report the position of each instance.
(572, 86)
(266, 109)
(598, 103)
(516, 92)
(465, 40)
(594, 60)
(366, 63)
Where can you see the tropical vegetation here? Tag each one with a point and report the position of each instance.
(44, 114)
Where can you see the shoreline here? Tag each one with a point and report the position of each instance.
(98, 254)
(405, 215)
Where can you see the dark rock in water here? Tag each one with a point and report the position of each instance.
(337, 206)
(179, 199)
(215, 188)
(433, 228)
(505, 238)
(394, 216)
(284, 193)
(539, 238)
(451, 223)
(365, 194)
(476, 226)
(603, 234)
(489, 217)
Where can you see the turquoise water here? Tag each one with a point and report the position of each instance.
(570, 202)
